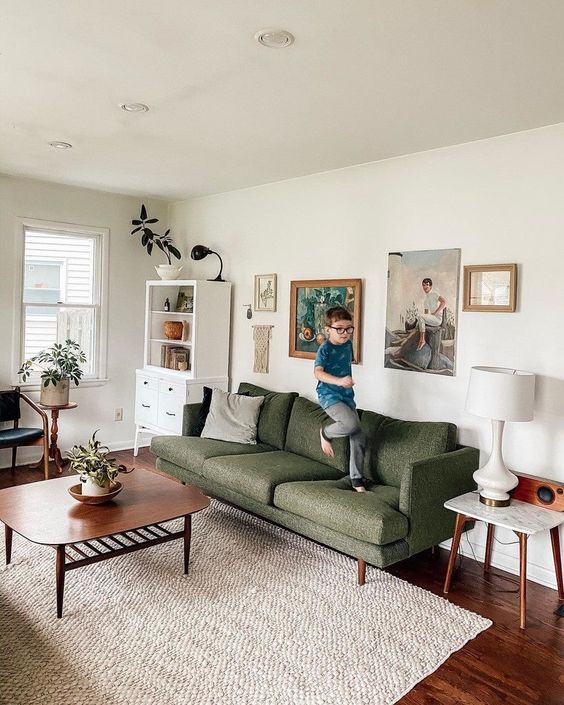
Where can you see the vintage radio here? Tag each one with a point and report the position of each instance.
(540, 491)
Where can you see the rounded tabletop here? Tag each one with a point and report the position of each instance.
(70, 405)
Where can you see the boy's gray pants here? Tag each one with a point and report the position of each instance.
(347, 423)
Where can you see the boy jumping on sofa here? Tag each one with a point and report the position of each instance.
(335, 391)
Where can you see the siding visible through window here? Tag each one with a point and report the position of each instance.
(60, 297)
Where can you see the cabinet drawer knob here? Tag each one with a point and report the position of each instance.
(145, 382)
(146, 406)
(170, 389)
(169, 414)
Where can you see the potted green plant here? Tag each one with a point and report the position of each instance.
(59, 364)
(96, 470)
(164, 242)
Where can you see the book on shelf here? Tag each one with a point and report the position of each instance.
(175, 358)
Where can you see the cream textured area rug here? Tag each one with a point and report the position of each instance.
(264, 618)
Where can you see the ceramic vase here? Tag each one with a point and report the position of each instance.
(168, 271)
(93, 489)
(55, 394)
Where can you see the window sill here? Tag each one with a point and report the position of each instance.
(35, 386)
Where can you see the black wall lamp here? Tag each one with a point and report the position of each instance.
(201, 251)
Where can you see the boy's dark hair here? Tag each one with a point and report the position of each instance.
(337, 313)
(427, 281)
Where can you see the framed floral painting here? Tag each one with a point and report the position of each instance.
(308, 302)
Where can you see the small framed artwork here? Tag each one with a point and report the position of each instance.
(308, 302)
(490, 287)
(265, 292)
(185, 300)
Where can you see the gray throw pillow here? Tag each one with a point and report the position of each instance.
(232, 417)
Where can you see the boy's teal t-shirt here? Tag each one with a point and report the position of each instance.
(336, 360)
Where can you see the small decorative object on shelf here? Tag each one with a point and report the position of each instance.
(167, 305)
(97, 471)
(59, 364)
(163, 242)
(173, 330)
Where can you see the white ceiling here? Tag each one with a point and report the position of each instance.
(365, 80)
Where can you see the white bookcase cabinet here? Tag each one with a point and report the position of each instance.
(160, 393)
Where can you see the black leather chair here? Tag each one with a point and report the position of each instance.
(18, 436)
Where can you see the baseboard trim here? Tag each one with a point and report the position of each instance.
(32, 454)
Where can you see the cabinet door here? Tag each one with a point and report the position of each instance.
(171, 409)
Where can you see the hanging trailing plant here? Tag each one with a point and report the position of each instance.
(149, 238)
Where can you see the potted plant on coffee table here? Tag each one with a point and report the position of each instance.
(163, 242)
(60, 364)
(97, 471)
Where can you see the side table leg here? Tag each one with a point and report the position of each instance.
(489, 541)
(522, 579)
(60, 579)
(459, 526)
(187, 538)
(555, 541)
(8, 533)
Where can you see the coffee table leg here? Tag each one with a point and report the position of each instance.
(187, 537)
(8, 533)
(60, 579)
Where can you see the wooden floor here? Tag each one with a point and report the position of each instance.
(503, 665)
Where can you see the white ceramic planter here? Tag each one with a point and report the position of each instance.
(92, 489)
(55, 395)
(168, 271)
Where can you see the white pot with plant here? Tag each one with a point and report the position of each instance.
(60, 364)
(97, 471)
(163, 242)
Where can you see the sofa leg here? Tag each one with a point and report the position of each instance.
(361, 571)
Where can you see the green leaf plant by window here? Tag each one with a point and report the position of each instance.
(63, 295)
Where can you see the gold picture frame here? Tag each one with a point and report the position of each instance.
(265, 292)
(490, 287)
(308, 302)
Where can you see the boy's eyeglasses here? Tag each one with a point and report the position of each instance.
(340, 331)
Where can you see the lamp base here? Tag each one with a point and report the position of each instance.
(489, 502)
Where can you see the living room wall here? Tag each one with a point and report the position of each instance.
(129, 267)
(499, 200)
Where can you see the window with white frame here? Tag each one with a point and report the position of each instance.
(62, 293)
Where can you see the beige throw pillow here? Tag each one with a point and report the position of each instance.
(232, 417)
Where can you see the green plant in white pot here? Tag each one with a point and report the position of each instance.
(164, 242)
(96, 470)
(60, 364)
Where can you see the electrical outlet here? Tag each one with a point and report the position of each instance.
(118, 413)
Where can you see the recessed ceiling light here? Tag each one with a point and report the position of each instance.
(274, 38)
(134, 107)
(60, 145)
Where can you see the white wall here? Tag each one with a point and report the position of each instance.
(499, 200)
(129, 267)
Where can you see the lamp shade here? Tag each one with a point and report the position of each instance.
(501, 393)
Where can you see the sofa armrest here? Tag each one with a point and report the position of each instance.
(426, 485)
(190, 419)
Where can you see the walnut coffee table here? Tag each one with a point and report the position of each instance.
(45, 513)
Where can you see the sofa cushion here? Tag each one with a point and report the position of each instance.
(370, 516)
(274, 413)
(191, 451)
(232, 417)
(257, 476)
(303, 435)
(392, 445)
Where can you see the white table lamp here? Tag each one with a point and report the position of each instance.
(499, 394)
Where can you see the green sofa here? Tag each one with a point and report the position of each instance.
(411, 468)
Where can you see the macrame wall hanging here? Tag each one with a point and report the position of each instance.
(261, 336)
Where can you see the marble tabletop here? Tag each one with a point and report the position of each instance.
(518, 516)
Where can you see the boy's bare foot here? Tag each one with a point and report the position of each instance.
(360, 488)
(326, 446)
(421, 343)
